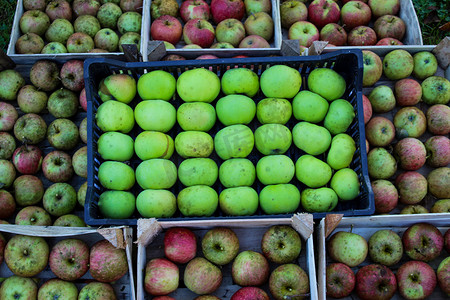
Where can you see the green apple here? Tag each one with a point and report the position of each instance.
(115, 116)
(311, 138)
(157, 115)
(273, 139)
(341, 151)
(425, 65)
(197, 116)
(116, 175)
(156, 173)
(198, 85)
(118, 87)
(273, 111)
(234, 141)
(345, 183)
(310, 107)
(319, 200)
(116, 204)
(275, 169)
(279, 199)
(398, 64)
(382, 99)
(156, 85)
(235, 109)
(194, 144)
(312, 171)
(327, 83)
(197, 201)
(198, 171)
(280, 81)
(115, 146)
(237, 172)
(339, 117)
(240, 81)
(156, 203)
(153, 144)
(20, 288)
(436, 90)
(239, 201)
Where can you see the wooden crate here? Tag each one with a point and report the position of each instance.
(249, 232)
(119, 236)
(366, 226)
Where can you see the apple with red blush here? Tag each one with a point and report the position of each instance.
(375, 281)
(354, 14)
(227, 9)
(410, 121)
(322, 12)
(8, 116)
(340, 280)
(362, 36)
(7, 204)
(438, 151)
(410, 154)
(416, 280)
(423, 241)
(438, 119)
(411, 186)
(254, 41)
(408, 92)
(199, 32)
(389, 26)
(166, 28)
(194, 9)
(367, 106)
(334, 34)
(380, 131)
(27, 159)
(180, 245)
(161, 277)
(305, 32)
(71, 75)
(385, 196)
(388, 42)
(83, 99)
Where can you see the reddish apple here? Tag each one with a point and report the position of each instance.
(340, 280)
(207, 56)
(254, 41)
(354, 14)
(443, 275)
(408, 92)
(438, 119)
(423, 241)
(410, 154)
(438, 151)
(380, 131)
(8, 116)
(180, 245)
(250, 293)
(7, 204)
(411, 186)
(250, 268)
(59, 9)
(161, 277)
(388, 42)
(385, 196)
(199, 32)
(227, 9)
(27, 159)
(322, 12)
(389, 26)
(367, 106)
(362, 36)
(416, 280)
(71, 75)
(83, 100)
(194, 9)
(334, 34)
(166, 28)
(375, 282)
(305, 32)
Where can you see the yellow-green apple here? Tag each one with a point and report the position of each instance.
(106, 39)
(59, 31)
(54, 48)
(443, 275)
(327, 83)
(312, 171)
(381, 164)
(237, 172)
(118, 87)
(254, 6)
(382, 7)
(194, 9)
(28, 190)
(87, 24)
(389, 26)
(44, 75)
(274, 111)
(11, 83)
(8, 173)
(157, 115)
(248, 292)
(106, 262)
(108, 14)
(385, 196)
(166, 28)
(438, 180)
(69, 259)
(380, 131)
(305, 32)
(7, 204)
(7, 145)
(231, 31)
(197, 201)
(254, 41)
(425, 64)
(30, 129)
(334, 34)
(115, 116)
(341, 151)
(180, 245)
(261, 24)
(57, 166)
(339, 116)
(116, 175)
(362, 36)
(69, 220)
(156, 203)
(81, 194)
(372, 68)
(410, 153)
(198, 85)
(311, 138)
(199, 32)
(97, 289)
(27, 159)
(198, 171)
(130, 38)
(354, 14)
(59, 9)
(340, 280)
(220, 245)
(227, 9)
(279, 199)
(156, 174)
(160, 8)
(281, 244)
(414, 209)
(382, 99)
(408, 92)
(367, 107)
(34, 21)
(80, 43)
(79, 162)
(292, 11)
(388, 41)
(8, 116)
(194, 144)
(234, 141)
(319, 200)
(423, 241)
(62, 134)
(235, 109)
(191, 46)
(57, 288)
(436, 90)
(240, 81)
(129, 22)
(63, 103)
(59, 199)
(410, 122)
(17, 287)
(116, 146)
(411, 186)
(197, 116)
(275, 169)
(149, 144)
(26, 256)
(156, 85)
(83, 130)
(161, 277)
(238, 201)
(273, 139)
(31, 100)
(168, 45)
(385, 247)
(398, 64)
(33, 215)
(338, 249)
(322, 12)
(375, 281)
(116, 204)
(288, 280)
(201, 276)
(438, 119)
(280, 81)
(29, 43)
(345, 183)
(440, 206)
(250, 268)
(438, 151)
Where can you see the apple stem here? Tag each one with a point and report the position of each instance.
(25, 252)
(351, 228)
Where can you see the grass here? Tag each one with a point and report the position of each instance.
(432, 14)
(7, 9)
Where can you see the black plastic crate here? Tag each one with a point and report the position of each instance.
(348, 63)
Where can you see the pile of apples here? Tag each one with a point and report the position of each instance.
(37, 131)
(69, 260)
(78, 26)
(208, 150)
(415, 278)
(347, 25)
(416, 141)
(280, 246)
(228, 30)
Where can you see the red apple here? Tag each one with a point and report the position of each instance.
(207, 56)
(362, 36)
(305, 32)
(322, 12)
(161, 277)
(27, 159)
(194, 9)
(83, 100)
(410, 153)
(438, 119)
(388, 42)
(438, 151)
(354, 14)
(71, 75)
(375, 282)
(250, 269)
(7, 204)
(199, 32)
(334, 34)
(389, 26)
(385, 195)
(367, 106)
(408, 92)
(340, 280)
(423, 241)
(416, 280)
(250, 293)
(166, 28)
(180, 245)
(254, 41)
(227, 9)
